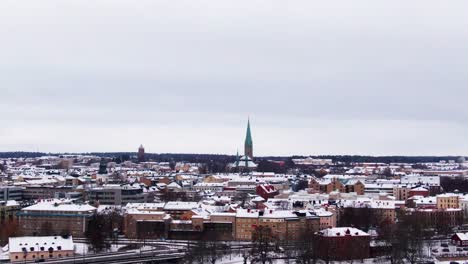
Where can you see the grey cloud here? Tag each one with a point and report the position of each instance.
(292, 65)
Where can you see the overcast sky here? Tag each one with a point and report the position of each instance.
(315, 77)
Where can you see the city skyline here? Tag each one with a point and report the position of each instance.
(259, 131)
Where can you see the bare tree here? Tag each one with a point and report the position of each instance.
(207, 250)
(263, 245)
(410, 236)
(241, 197)
(96, 233)
(307, 246)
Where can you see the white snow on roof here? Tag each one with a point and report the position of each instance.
(429, 180)
(180, 205)
(278, 214)
(243, 213)
(38, 244)
(462, 236)
(342, 231)
(59, 206)
(321, 212)
(174, 185)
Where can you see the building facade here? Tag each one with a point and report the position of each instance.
(54, 217)
(24, 249)
(343, 243)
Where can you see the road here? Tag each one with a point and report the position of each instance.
(164, 250)
(128, 257)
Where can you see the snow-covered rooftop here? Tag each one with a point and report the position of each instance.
(38, 244)
(59, 206)
(342, 231)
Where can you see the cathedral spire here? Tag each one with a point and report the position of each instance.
(248, 148)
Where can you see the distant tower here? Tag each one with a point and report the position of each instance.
(141, 154)
(248, 148)
(102, 167)
(237, 160)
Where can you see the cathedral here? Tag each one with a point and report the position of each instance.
(245, 163)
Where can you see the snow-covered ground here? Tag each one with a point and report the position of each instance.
(83, 248)
(4, 254)
(240, 260)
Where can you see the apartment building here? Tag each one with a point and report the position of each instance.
(114, 194)
(448, 200)
(55, 217)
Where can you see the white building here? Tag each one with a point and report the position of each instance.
(36, 248)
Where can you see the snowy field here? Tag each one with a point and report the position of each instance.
(83, 249)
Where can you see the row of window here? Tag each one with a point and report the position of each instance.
(42, 256)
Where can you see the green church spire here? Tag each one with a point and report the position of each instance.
(248, 137)
(248, 142)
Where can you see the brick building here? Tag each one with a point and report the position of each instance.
(55, 217)
(286, 225)
(335, 184)
(342, 243)
(266, 191)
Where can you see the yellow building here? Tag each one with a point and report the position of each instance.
(448, 200)
(285, 225)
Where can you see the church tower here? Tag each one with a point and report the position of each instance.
(248, 148)
(141, 154)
